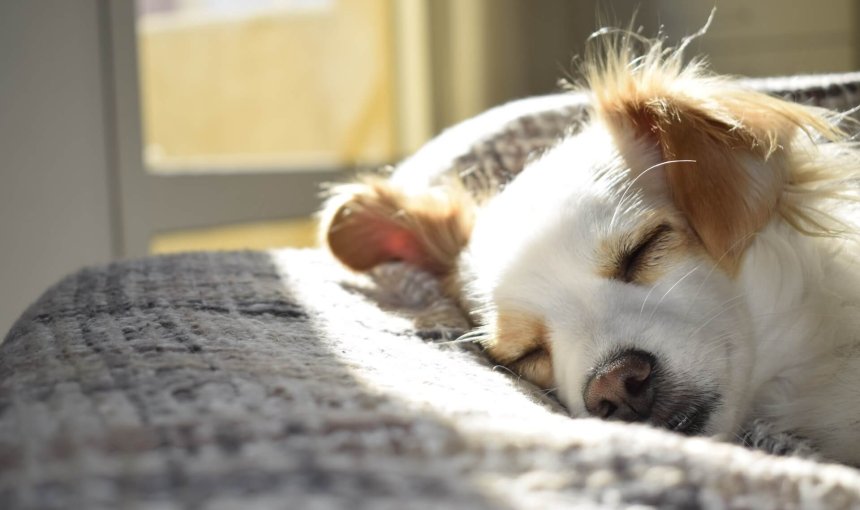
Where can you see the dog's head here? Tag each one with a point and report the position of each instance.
(608, 269)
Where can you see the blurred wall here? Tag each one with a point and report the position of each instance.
(54, 181)
(486, 52)
(766, 37)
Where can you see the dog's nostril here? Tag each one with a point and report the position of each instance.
(637, 382)
(621, 388)
(605, 409)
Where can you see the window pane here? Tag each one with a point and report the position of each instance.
(257, 83)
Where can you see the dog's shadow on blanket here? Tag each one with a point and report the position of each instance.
(416, 295)
(222, 380)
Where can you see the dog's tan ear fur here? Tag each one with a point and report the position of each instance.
(737, 141)
(374, 221)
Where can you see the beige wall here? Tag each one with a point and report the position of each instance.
(54, 207)
(524, 46)
(767, 37)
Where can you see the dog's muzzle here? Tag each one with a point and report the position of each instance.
(630, 386)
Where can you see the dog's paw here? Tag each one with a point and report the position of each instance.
(761, 435)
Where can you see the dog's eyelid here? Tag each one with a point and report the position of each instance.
(630, 262)
(530, 359)
(536, 351)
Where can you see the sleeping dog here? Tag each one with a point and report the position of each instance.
(688, 259)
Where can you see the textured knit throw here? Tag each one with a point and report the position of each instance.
(280, 380)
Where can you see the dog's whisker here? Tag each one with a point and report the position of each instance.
(459, 341)
(508, 370)
(725, 308)
(644, 301)
(631, 183)
(547, 391)
(714, 268)
(473, 335)
(681, 279)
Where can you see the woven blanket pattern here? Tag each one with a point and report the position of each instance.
(275, 380)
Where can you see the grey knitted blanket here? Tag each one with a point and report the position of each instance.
(280, 380)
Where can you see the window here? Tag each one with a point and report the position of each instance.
(261, 84)
(234, 112)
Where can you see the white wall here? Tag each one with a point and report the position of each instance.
(54, 206)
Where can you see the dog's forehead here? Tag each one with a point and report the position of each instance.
(586, 174)
(571, 212)
(529, 257)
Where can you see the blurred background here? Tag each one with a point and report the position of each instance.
(132, 128)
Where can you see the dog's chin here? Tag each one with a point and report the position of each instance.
(690, 418)
(710, 413)
(721, 423)
(727, 418)
(684, 407)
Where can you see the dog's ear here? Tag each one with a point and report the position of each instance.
(374, 221)
(731, 145)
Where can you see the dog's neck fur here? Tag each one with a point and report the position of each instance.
(782, 277)
(803, 295)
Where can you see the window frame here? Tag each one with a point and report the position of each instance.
(146, 203)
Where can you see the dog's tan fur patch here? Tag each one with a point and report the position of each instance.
(519, 340)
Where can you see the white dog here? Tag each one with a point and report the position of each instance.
(687, 260)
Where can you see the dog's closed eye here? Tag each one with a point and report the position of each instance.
(535, 365)
(637, 261)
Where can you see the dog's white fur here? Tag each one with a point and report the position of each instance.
(750, 290)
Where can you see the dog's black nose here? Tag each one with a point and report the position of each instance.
(621, 388)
